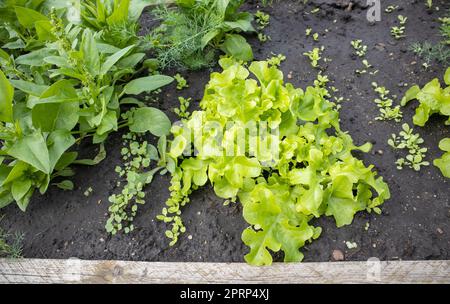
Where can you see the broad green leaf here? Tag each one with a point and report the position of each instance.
(113, 59)
(443, 163)
(28, 17)
(444, 145)
(6, 99)
(66, 160)
(44, 30)
(25, 200)
(243, 23)
(150, 119)
(35, 58)
(109, 123)
(62, 91)
(130, 61)
(235, 45)
(146, 84)
(20, 188)
(17, 171)
(447, 77)
(29, 87)
(65, 185)
(209, 36)
(411, 94)
(5, 198)
(272, 210)
(120, 14)
(32, 149)
(59, 61)
(58, 143)
(90, 52)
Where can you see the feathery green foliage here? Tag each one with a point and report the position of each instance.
(192, 31)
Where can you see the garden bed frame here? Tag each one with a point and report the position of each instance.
(84, 271)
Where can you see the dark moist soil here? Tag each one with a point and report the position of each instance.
(414, 224)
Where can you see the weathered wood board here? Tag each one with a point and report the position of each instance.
(82, 271)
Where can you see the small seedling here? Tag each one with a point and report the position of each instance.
(321, 80)
(402, 19)
(351, 245)
(391, 8)
(308, 32)
(262, 19)
(410, 141)
(182, 111)
(407, 140)
(181, 82)
(360, 49)
(276, 60)
(314, 56)
(137, 156)
(398, 32)
(385, 105)
(263, 37)
(88, 192)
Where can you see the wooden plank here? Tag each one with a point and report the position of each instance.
(82, 271)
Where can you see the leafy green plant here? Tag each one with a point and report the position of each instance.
(412, 143)
(262, 19)
(314, 56)
(443, 163)
(311, 171)
(182, 111)
(116, 19)
(398, 32)
(386, 105)
(181, 82)
(433, 99)
(276, 59)
(359, 47)
(402, 19)
(192, 31)
(391, 8)
(68, 87)
(263, 37)
(137, 156)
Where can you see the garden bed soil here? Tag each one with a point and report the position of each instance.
(414, 225)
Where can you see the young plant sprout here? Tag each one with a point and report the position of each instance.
(314, 56)
(407, 140)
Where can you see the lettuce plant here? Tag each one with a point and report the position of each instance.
(433, 99)
(443, 163)
(309, 172)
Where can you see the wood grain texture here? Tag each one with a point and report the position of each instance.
(82, 271)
